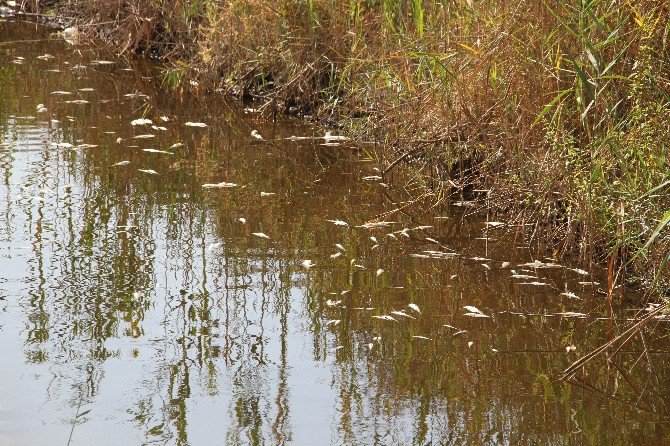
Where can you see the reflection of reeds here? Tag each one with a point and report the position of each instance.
(643, 391)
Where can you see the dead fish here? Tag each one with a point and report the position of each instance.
(157, 151)
(149, 171)
(385, 318)
(328, 137)
(414, 307)
(338, 222)
(307, 264)
(474, 312)
(141, 121)
(571, 314)
(378, 224)
(261, 235)
(571, 295)
(195, 124)
(223, 184)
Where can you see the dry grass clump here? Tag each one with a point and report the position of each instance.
(559, 107)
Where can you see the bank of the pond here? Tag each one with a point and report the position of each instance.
(559, 110)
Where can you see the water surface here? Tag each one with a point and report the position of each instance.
(138, 308)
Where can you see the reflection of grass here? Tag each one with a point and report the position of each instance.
(559, 106)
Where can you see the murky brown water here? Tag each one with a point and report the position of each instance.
(136, 308)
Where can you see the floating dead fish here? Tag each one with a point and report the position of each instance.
(538, 264)
(141, 121)
(505, 265)
(340, 247)
(338, 222)
(580, 271)
(195, 124)
(61, 93)
(149, 171)
(242, 220)
(414, 307)
(214, 246)
(78, 101)
(46, 56)
(164, 118)
(261, 235)
(374, 239)
(307, 264)
(136, 95)
(41, 108)
(336, 255)
(62, 145)
(474, 312)
(380, 272)
(494, 224)
(588, 283)
(523, 276)
(267, 194)
(87, 89)
(372, 178)
(256, 135)
(222, 184)
(333, 322)
(570, 348)
(101, 62)
(441, 255)
(157, 151)
(571, 314)
(333, 138)
(385, 317)
(333, 303)
(422, 337)
(377, 224)
(86, 146)
(146, 136)
(571, 295)
(176, 145)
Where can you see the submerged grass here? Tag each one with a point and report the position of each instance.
(559, 109)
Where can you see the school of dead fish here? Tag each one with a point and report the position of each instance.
(412, 310)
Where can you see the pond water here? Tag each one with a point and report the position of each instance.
(139, 307)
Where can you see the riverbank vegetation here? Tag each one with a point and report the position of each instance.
(558, 109)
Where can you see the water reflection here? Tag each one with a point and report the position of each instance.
(138, 308)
